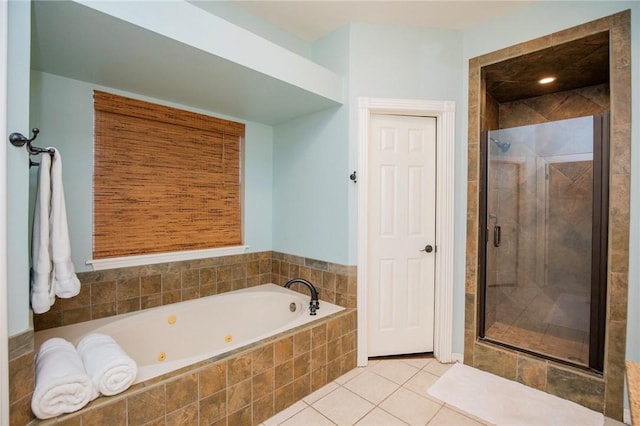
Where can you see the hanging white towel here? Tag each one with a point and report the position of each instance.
(108, 365)
(52, 271)
(42, 294)
(62, 384)
(65, 283)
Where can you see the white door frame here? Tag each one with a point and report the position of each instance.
(4, 333)
(444, 112)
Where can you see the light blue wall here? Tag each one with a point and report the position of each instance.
(17, 167)
(310, 172)
(310, 182)
(543, 18)
(63, 109)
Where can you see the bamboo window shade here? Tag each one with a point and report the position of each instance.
(165, 179)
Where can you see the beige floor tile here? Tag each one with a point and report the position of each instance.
(449, 417)
(418, 362)
(372, 361)
(350, 375)
(437, 368)
(343, 407)
(421, 382)
(323, 391)
(372, 387)
(378, 417)
(410, 407)
(286, 414)
(308, 417)
(395, 370)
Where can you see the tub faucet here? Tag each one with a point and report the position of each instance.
(314, 305)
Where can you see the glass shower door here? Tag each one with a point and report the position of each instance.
(540, 247)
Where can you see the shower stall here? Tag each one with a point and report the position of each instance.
(544, 207)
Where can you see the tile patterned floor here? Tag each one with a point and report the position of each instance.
(387, 392)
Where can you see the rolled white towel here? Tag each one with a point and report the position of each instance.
(62, 384)
(110, 368)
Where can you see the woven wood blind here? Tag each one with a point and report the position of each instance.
(164, 179)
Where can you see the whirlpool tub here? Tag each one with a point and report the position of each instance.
(170, 337)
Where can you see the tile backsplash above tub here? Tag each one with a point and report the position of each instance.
(118, 291)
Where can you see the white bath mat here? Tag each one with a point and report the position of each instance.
(505, 402)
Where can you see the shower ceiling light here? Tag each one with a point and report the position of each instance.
(546, 80)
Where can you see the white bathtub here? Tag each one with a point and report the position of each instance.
(169, 337)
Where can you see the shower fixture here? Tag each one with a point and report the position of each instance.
(503, 146)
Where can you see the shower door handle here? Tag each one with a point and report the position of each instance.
(497, 236)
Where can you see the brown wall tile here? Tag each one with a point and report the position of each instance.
(20, 412)
(283, 397)
(283, 350)
(262, 358)
(186, 416)
(213, 407)
(239, 396)
(587, 391)
(301, 342)
(111, 414)
(263, 383)
(263, 408)
(238, 369)
(128, 288)
(213, 379)
(240, 418)
(532, 372)
(496, 361)
(181, 392)
(21, 376)
(146, 406)
(283, 373)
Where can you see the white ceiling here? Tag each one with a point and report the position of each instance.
(310, 20)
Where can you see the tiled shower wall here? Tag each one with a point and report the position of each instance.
(605, 392)
(117, 291)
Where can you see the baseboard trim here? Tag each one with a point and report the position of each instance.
(457, 357)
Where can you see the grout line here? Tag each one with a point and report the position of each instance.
(321, 413)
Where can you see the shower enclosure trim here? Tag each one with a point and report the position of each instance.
(601, 392)
(599, 220)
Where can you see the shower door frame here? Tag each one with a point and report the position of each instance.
(599, 247)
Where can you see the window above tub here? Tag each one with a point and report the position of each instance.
(166, 181)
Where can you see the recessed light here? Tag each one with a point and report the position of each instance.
(546, 80)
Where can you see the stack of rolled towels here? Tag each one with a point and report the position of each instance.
(68, 378)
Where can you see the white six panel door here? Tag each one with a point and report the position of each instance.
(401, 223)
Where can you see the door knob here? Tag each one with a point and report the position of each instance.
(428, 248)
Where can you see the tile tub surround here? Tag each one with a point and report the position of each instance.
(117, 291)
(604, 392)
(111, 292)
(335, 283)
(21, 378)
(245, 387)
